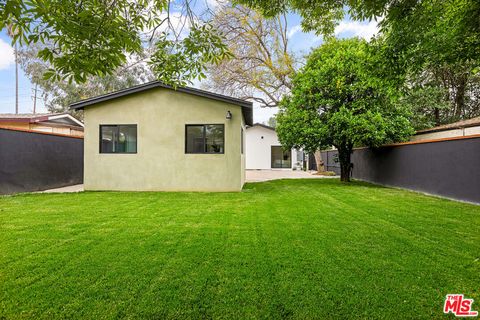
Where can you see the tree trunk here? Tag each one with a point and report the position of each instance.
(319, 161)
(35, 99)
(437, 116)
(344, 156)
(460, 96)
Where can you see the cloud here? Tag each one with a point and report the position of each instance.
(364, 30)
(294, 30)
(6, 55)
(180, 24)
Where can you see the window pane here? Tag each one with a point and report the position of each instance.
(118, 139)
(127, 139)
(276, 157)
(106, 139)
(214, 138)
(195, 141)
(241, 140)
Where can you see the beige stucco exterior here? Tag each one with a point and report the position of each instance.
(161, 163)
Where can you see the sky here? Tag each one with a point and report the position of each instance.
(300, 43)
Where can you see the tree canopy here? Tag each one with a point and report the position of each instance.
(94, 38)
(58, 94)
(457, 19)
(340, 99)
(436, 44)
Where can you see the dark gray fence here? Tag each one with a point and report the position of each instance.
(36, 161)
(449, 168)
(330, 161)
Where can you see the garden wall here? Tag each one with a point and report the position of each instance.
(444, 167)
(329, 158)
(33, 161)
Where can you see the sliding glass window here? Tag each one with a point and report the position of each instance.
(118, 138)
(281, 158)
(204, 138)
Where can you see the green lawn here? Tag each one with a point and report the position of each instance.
(285, 249)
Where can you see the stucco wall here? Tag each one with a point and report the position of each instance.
(161, 163)
(243, 155)
(258, 149)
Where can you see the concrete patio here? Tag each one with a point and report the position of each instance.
(266, 175)
(74, 188)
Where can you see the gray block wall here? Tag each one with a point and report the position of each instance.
(35, 161)
(448, 168)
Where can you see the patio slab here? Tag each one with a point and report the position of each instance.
(267, 175)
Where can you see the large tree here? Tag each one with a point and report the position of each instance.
(96, 37)
(457, 20)
(435, 44)
(262, 65)
(341, 98)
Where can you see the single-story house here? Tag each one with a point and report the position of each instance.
(58, 123)
(264, 151)
(153, 137)
(461, 128)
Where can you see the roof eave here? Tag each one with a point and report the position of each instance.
(262, 126)
(156, 84)
(27, 120)
(247, 107)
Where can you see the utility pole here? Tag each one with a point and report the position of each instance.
(35, 98)
(16, 79)
(12, 32)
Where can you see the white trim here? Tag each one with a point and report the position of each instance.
(66, 115)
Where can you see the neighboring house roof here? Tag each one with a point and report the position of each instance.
(56, 118)
(246, 105)
(261, 125)
(456, 125)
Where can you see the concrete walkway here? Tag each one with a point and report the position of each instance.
(266, 175)
(74, 188)
(251, 176)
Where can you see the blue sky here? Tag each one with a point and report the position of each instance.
(300, 42)
(7, 81)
